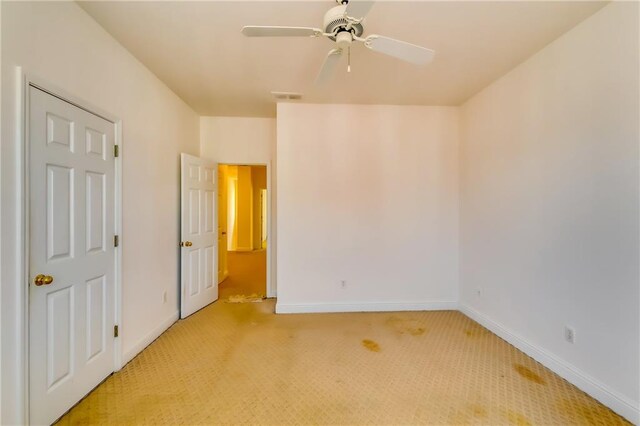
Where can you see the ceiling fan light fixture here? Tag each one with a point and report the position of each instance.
(344, 39)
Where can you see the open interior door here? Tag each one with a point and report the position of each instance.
(198, 248)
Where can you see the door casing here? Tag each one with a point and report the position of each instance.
(28, 80)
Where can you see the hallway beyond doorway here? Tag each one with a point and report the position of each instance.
(247, 274)
(243, 209)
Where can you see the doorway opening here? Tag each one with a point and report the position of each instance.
(242, 231)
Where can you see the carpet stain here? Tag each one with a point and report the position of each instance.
(371, 345)
(476, 332)
(517, 419)
(417, 331)
(469, 414)
(528, 374)
(402, 326)
(479, 411)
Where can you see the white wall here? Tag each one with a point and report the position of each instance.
(60, 43)
(238, 140)
(549, 203)
(246, 140)
(368, 195)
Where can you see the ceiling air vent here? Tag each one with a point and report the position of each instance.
(287, 96)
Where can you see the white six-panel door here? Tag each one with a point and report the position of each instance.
(199, 257)
(71, 254)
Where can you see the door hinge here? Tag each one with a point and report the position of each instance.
(116, 241)
(116, 150)
(115, 331)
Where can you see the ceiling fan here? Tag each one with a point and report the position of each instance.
(344, 24)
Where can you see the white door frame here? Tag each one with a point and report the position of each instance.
(271, 285)
(28, 80)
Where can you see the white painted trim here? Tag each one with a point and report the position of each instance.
(294, 308)
(598, 390)
(271, 283)
(117, 344)
(141, 344)
(216, 245)
(26, 80)
(22, 215)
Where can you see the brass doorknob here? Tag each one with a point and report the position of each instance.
(42, 280)
(186, 244)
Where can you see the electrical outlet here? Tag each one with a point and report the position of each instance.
(164, 296)
(343, 283)
(479, 292)
(569, 334)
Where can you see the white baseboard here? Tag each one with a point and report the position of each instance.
(293, 308)
(598, 390)
(149, 338)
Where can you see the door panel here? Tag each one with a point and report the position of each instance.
(208, 257)
(60, 202)
(59, 131)
(96, 143)
(60, 329)
(96, 310)
(199, 233)
(95, 211)
(209, 212)
(71, 222)
(194, 211)
(194, 271)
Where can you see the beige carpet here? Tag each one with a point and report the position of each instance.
(241, 364)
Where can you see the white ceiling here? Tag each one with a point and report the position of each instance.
(196, 48)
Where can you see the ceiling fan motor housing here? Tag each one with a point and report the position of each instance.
(335, 22)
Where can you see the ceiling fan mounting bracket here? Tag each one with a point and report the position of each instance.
(336, 21)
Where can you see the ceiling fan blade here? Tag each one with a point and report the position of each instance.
(266, 31)
(358, 9)
(329, 66)
(400, 49)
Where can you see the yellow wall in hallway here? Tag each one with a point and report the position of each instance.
(244, 210)
(232, 205)
(259, 182)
